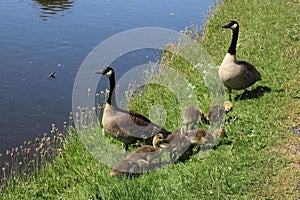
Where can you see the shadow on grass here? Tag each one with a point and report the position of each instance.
(258, 92)
(296, 129)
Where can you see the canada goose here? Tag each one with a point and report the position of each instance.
(197, 137)
(236, 74)
(216, 111)
(141, 158)
(190, 117)
(201, 136)
(181, 144)
(126, 126)
(178, 144)
(52, 75)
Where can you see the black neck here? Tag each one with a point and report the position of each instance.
(235, 35)
(112, 84)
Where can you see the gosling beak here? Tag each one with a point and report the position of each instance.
(165, 141)
(164, 145)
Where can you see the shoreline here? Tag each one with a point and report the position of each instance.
(261, 160)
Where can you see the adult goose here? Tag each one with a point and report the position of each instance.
(126, 126)
(236, 74)
(140, 159)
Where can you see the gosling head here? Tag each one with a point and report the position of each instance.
(228, 106)
(231, 24)
(107, 71)
(220, 132)
(191, 114)
(158, 140)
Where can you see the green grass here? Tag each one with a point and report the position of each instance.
(260, 162)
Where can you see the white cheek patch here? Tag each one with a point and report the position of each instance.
(233, 26)
(109, 73)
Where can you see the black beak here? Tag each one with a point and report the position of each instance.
(104, 70)
(227, 25)
(100, 71)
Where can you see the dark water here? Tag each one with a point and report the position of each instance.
(38, 37)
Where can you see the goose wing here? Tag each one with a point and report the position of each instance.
(137, 125)
(250, 70)
(141, 120)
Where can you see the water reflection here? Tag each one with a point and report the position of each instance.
(53, 7)
(31, 49)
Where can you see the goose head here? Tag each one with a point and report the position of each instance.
(107, 71)
(231, 24)
(228, 106)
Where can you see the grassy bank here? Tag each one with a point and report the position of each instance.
(260, 159)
